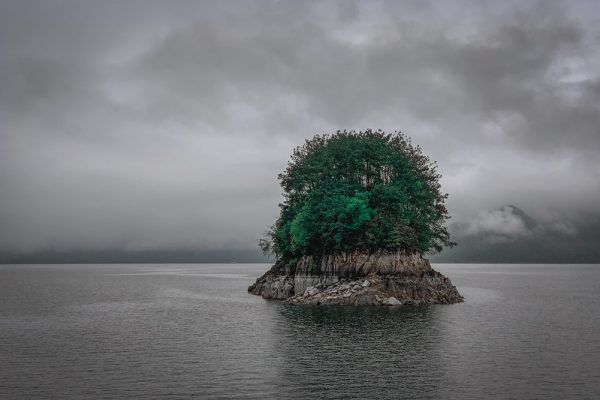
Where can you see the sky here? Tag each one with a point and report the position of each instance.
(138, 125)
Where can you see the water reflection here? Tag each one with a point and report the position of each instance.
(338, 352)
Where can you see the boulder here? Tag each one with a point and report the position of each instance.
(392, 301)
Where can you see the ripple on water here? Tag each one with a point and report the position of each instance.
(194, 332)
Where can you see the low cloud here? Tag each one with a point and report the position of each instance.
(509, 223)
(501, 223)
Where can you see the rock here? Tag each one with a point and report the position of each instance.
(311, 291)
(363, 298)
(357, 279)
(392, 301)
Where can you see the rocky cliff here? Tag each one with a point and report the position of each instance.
(358, 279)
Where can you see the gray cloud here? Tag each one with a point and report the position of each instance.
(509, 223)
(142, 125)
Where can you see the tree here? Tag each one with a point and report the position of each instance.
(358, 191)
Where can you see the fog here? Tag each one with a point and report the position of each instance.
(146, 125)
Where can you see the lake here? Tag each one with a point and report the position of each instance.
(192, 331)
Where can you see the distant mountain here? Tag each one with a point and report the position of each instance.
(510, 235)
(143, 256)
(528, 221)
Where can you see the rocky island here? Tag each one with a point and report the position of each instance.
(359, 280)
(360, 210)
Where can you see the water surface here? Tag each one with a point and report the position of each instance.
(192, 331)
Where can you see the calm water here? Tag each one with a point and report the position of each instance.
(183, 331)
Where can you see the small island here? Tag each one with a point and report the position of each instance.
(360, 210)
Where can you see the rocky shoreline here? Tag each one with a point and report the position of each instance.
(358, 279)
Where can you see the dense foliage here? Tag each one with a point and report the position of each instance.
(362, 191)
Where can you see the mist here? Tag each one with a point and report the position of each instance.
(162, 126)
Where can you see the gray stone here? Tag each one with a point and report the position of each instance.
(392, 301)
(311, 290)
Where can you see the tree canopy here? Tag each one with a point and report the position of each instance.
(364, 191)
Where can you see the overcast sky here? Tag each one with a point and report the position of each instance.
(163, 125)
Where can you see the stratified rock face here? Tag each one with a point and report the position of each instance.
(380, 278)
(276, 283)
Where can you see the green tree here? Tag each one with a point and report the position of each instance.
(365, 191)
